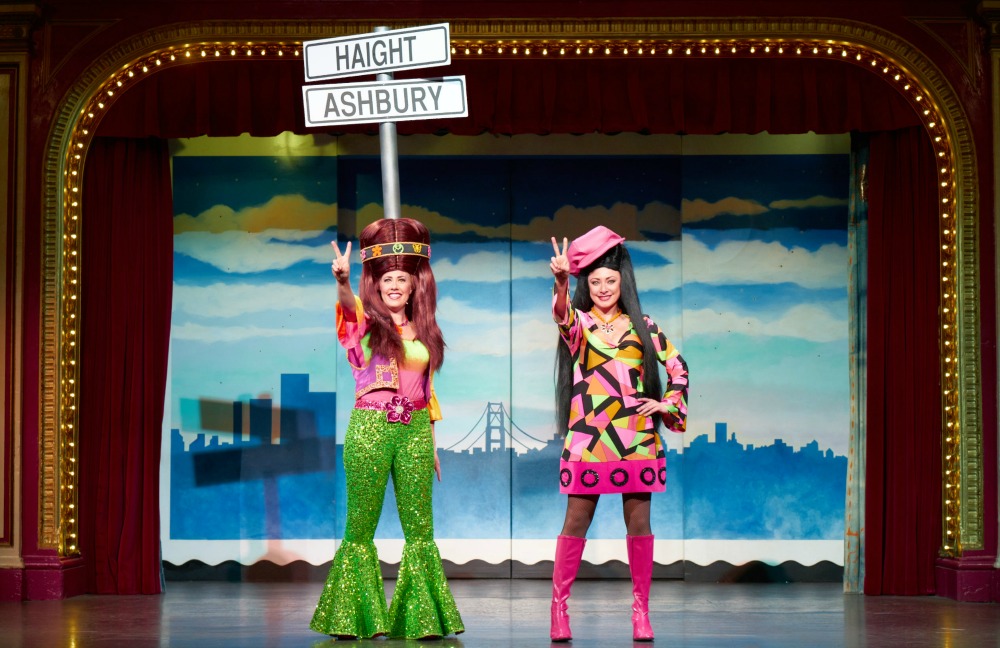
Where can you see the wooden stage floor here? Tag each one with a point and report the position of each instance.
(514, 613)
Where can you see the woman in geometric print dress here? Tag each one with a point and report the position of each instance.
(609, 397)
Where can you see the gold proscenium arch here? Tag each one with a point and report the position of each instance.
(902, 66)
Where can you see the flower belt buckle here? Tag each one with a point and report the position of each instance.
(398, 410)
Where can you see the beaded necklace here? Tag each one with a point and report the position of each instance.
(606, 325)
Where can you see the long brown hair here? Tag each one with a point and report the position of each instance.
(385, 340)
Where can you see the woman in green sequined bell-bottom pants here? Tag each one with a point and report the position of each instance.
(352, 603)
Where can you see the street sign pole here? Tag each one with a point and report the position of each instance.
(385, 101)
(390, 156)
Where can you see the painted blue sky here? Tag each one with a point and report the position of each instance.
(753, 292)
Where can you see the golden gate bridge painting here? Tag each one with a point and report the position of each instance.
(249, 470)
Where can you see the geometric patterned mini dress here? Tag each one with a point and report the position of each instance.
(609, 447)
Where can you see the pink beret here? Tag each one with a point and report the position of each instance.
(589, 247)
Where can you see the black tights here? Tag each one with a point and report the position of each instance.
(580, 513)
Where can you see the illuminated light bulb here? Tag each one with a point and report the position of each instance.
(590, 50)
(781, 50)
(733, 50)
(652, 50)
(527, 51)
(499, 50)
(687, 51)
(625, 51)
(717, 50)
(906, 87)
(640, 50)
(767, 48)
(753, 50)
(561, 51)
(159, 62)
(577, 50)
(919, 98)
(932, 124)
(282, 52)
(217, 54)
(607, 50)
(704, 49)
(232, 52)
(858, 57)
(514, 50)
(111, 93)
(203, 54)
(885, 70)
(874, 62)
(466, 51)
(187, 53)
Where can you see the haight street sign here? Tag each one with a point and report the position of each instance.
(386, 101)
(378, 52)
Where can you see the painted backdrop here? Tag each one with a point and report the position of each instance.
(740, 250)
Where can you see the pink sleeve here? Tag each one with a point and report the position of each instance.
(571, 329)
(350, 332)
(677, 379)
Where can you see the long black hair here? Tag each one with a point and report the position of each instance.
(617, 258)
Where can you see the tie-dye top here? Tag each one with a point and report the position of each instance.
(377, 378)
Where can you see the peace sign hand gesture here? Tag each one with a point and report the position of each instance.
(342, 264)
(559, 263)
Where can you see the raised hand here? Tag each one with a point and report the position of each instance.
(559, 263)
(342, 263)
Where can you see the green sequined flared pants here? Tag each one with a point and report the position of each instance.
(353, 602)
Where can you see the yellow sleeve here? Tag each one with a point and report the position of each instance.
(433, 407)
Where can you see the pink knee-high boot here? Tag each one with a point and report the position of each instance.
(640, 562)
(569, 550)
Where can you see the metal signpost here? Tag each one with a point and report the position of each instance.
(383, 101)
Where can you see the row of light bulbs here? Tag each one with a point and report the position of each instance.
(91, 114)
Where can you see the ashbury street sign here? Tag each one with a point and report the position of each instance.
(386, 101)
(378, 52)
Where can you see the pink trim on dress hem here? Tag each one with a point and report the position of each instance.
(606, 477)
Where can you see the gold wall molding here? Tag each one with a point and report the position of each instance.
(913, 74)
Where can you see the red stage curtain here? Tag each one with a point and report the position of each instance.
(693, 96)
(127, 277)
(903, 481)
